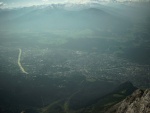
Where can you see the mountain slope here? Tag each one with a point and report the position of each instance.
(100, 105)
(138, 102)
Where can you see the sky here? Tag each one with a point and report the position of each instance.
(21, 3)
(27, 2)
(14, 3)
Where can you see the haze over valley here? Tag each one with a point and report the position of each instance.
(65, 58)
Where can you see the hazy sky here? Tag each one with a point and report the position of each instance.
(13, 3)
(20, 3)
(29, 1)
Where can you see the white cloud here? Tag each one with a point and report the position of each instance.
(2, 5)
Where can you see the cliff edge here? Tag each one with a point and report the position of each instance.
(138, 102)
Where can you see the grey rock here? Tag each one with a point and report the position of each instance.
(138, 102)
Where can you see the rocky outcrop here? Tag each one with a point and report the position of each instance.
(138, 102)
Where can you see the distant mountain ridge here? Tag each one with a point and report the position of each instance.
(45, 17)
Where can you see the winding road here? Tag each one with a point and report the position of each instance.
(19, 63)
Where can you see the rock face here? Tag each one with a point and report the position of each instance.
(138, 102)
